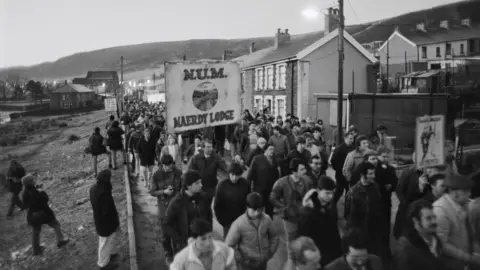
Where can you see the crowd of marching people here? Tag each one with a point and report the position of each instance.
(277, 193)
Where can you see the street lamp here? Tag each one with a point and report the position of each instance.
(310, 13)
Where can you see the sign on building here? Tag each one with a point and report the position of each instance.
(111, 104)
(202, 94)
(430, 141)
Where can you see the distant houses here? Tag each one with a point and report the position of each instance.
(100, 81)
(443, 45)
(71, 96)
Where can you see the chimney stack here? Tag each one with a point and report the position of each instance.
(332, 19)
(281, 38)
(421, 27)
(252, 47)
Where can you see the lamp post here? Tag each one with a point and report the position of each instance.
(312, 14)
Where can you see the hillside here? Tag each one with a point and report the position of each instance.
(143, 59)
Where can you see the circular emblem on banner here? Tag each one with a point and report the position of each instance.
(205, 96)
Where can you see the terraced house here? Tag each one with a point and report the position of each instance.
(439, 45)
(298, 72)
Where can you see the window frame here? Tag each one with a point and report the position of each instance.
(424, 52)
(438, 52)
(269, 79)
(259, 76)
(278, 76)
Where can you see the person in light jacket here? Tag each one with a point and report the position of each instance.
(452, 218)
(253, 235)
(105, 217)
(355, 157)
(203, 252)
(172, 148)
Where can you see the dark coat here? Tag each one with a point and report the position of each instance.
(208, 167)
(251, 155)
(414, 254)
(320, 224)
(263, 174)
(146, 150)
(37, 201)
(363, 210)
(305, 156)
(14, 175)
(339, 155)
(177, 219)
(96, 145)
(230, 200)
(407, 192)
(385, 175)
(115, 141)
(134, 141)
(105, 215)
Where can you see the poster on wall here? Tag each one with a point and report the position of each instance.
(111, 104)
(429, 141)
(202, 94)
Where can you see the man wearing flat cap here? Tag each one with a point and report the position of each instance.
(453, 229)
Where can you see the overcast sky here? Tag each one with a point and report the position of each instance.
(35, 31)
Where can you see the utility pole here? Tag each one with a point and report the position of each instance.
(153, 79)
(341, 26)
(121, 85)
(388, 63)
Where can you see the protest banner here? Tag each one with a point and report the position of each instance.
(430, 141)
(202, 94)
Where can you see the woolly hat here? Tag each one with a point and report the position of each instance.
(190, 177)
(104, 176)
(28, 181)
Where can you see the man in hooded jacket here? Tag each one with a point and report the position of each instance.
(105, 217)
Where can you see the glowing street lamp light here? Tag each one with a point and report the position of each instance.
(103, 84)
(310, 14)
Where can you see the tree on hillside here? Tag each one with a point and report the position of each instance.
(35, 89)
(18, 92)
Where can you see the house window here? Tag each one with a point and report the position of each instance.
(462, 49)
(471, 46)
(269, 78)
(257, 103)
(63, 97)
(259, 79)
(448, 49)
(280, 107)
(438, 52)
(424, 52)
(281, 76)
(267, 102)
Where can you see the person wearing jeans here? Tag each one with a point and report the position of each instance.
(105, 217)
(39, 213)
(146, 151)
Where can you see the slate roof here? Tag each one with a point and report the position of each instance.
(82, 81)
(289, 50)
(431, 36)
(72, 88)
(102, 75)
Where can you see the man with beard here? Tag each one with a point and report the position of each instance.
(338, 159)
(166, 182)
(185, 207)
(203, 252)
(356, 254)
(318, 213)
(262, 174)
(230, 197)
(253, 236)
(364, 208)
(420, 248)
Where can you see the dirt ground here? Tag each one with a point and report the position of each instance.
(53, 147)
